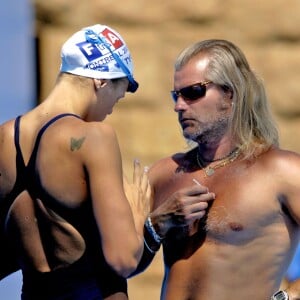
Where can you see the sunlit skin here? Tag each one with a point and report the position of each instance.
(109, 97)
(243, 245)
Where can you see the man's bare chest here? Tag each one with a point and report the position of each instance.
(239, 211)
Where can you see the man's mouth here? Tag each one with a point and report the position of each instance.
(186, 120)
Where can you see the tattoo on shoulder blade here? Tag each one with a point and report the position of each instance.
(76, 143)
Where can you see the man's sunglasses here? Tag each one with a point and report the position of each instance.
(191, 92)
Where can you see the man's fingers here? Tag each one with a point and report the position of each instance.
(181, 200)
(195, 190)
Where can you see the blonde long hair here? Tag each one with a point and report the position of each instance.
(252, 123)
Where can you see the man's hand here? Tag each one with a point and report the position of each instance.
(183, 208)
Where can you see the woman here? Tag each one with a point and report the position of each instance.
(63, 207)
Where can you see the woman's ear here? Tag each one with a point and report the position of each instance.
(98, 83)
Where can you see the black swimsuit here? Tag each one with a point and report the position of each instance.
(88, 278)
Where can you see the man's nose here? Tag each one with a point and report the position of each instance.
(180, 104)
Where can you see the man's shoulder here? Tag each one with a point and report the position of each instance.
(282, 160)
(173, 159)
(276, 153)
(169, 165)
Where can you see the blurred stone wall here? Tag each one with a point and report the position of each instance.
(155, 32)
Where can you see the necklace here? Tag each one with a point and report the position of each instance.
(210, 170)
(218, 159)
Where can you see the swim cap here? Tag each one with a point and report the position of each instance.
(98, 52)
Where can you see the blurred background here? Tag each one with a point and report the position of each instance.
(32, 33)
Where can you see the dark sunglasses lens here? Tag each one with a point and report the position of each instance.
(174, 96)
(193, 92)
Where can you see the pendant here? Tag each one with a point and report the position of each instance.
(209, 171)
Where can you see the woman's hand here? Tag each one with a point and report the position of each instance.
(138, 194)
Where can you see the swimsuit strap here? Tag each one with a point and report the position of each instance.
(19, 185)
(20, 165)
(40, 134)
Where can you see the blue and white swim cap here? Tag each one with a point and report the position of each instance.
(99, 52)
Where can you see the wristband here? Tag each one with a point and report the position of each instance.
(152, 231)
(149, 240)
(148, 247)
(280, 295)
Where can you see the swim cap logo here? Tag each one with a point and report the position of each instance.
(96, 51)
(112, 38)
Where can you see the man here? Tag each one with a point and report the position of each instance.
(243, 245)
(63, 210)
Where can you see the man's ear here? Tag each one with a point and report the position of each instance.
(228, 92)
(98, 83)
